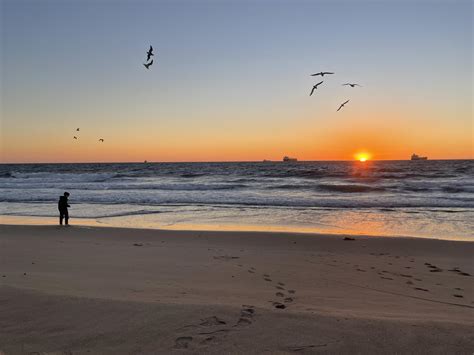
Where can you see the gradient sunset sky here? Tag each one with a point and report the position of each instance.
(231, 80)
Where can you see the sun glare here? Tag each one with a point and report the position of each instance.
(362, 157)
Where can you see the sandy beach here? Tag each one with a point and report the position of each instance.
(81, 290)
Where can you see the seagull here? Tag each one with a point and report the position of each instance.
(322, 73)
(75, 137)
(149, 54)
(342, 105)
(101, 140)
(315, 87)
(148, 64)
(77, 129)
(351, 85)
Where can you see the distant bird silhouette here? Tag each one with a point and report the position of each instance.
(315, 87)
(148, 64)
(322, 73)
(77, 129)
(149, 54)
(342, 105)
(75, 137)
(101, 140)
(351, 85)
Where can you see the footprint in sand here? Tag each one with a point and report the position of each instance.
(279, 294)
(279, 305)
(458, 289)
(360, 270)
(212, 321)
(292, 291)
(279, 288)
(251, 271)
(182, 342)
(243, 322)
(267, 279)
(409, 283)
(246, 316)
(288, 300)
(386, 278)
(459, 296)
(421, 289)
(281, 284)
(266, 275)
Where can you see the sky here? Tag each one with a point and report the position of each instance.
(231, 80)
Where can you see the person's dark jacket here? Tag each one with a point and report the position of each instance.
(62, 203)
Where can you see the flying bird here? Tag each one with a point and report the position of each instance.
(322, 73)
(342, 105)
(101, 140)
(148, 64)
(315, 87)
(75, 137)
(149, 54)
(77, 129)
(351, 85)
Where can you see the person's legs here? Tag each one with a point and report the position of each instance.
(61, 216)
(66, 216)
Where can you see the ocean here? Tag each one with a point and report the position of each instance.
(431, 199)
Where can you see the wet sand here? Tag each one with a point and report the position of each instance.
(110, 291)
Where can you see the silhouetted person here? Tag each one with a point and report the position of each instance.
(62, 207)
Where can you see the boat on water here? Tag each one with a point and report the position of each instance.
(417, 157)
(289, 160)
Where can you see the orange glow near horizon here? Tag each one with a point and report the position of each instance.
(205, 140)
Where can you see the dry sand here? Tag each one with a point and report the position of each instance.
(84, 290)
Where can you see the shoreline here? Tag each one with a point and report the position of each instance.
(156, 291)
(36, 221)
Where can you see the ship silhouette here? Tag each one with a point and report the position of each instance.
(417, 157)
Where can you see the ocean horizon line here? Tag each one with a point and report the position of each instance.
(226, 161)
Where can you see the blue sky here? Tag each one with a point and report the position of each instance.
(230, 72)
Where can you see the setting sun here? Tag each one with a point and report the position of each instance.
(362, 157)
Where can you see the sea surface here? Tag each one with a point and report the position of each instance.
(432, 199)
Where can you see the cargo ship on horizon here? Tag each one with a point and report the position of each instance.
(417, 157)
